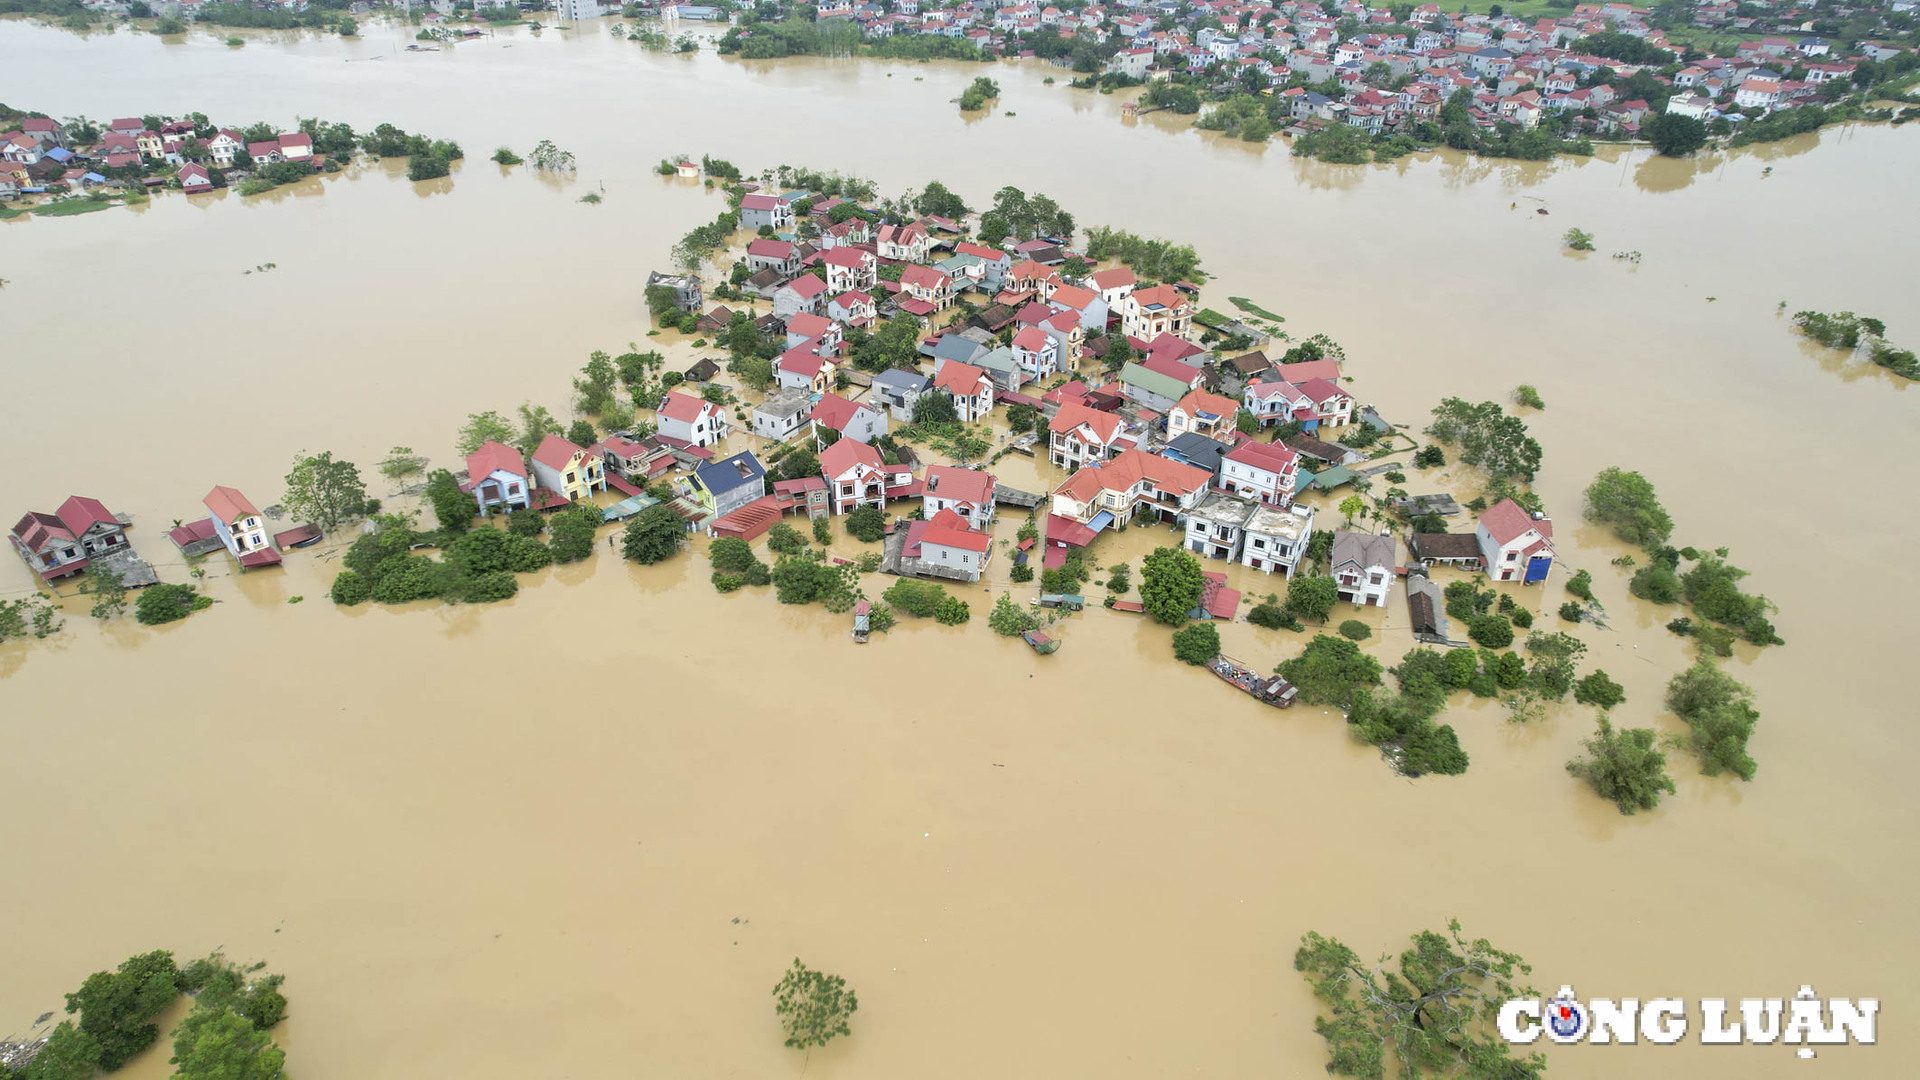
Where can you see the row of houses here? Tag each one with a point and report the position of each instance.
(43, 155)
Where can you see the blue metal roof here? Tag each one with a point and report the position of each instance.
(720, 477)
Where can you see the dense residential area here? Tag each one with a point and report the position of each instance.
(55, 160)
(1350, 80)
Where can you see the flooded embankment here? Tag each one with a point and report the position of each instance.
(514, 840)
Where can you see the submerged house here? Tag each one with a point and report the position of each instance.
(65, 541)
(572, 472)
(1362, 565)
(497, 476)
(721, 487)
(1514, 545)
(240, 527)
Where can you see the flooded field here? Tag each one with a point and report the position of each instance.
(515, 840)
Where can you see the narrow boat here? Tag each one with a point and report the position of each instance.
(1272, 689)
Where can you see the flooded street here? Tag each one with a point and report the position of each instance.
(514, 840)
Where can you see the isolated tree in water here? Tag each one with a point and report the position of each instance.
(1434, 1016)
(813, 1007)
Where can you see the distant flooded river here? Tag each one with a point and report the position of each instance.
(515, 840)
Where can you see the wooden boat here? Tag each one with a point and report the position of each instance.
(1040, 642)
(1272, 689)
(861, 629)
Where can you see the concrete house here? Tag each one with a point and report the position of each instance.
(804, 369)
(1104, 494)
(497, 476)
(904, 243)
(1158, 384)
(1362, 567)
(818, 333)
(1036, 352)
(240, 527)
(784, 414)
(1263, 472)
(849, 419)
(853, 308)
(1005, 371)
(969, 387)
(779, 256)
(759, 211)
(897, 390)
(225, 147)
(1087, 305)
(1215, 526)
(966, 492)
(1147, 313)
(952, 346)
(1515, 546)
(1209, 414)
(721, 487)
(572, 472)
(687, 295)
(994, 263)
(1113, 285)
(689, 420)
(1277, 402)
(1078, 435)
(1332, 406)
(945, 542)
(927, 291)
(1276, 539)
(850, 268)
(806, 293)
(66, 541)
(855, 474)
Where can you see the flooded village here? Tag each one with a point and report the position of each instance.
(609, 799)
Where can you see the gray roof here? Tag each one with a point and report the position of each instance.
(902, 381)
(1198, 450)
(788, 402)
(721, 477)
(1000, 361)
(1364, 550)
(955, 347)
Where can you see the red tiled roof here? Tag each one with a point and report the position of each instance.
(807, 324)
(1218, 600)
(1113, 279)
(228, 505)
(835, 411)
(1127, 469)
(1307, 370)
(923, 277)
(1067, 531)
(1172, 369)
(1073, 296)
(772, 249)
(948, 529)
(801, 360)
(1071, 416)
(850, 257)
(958, 378)
(840, 458)
(1199, 401)
(807, 286)
(556, 452)
(1162, 295)
(192, 532)
(1321, 391)
(963, 485)
(1505, 521)
(494, 457)
(1032, 339)
(80, 513)
(296, 138)
(1273, 457)
(260, 557)
(685, 407)
(263, 149)
(980, 251)
(1172, 347)
(851, 298)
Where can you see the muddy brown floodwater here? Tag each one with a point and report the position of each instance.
(515, 840)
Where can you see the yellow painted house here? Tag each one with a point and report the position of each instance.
(570, 471)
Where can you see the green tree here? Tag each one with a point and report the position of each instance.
(1492, 631)
(1312, 597)
(731, 555)
(1624, 766)
(1196, 643)
(109, 592)
(813, 1007)
(536, 423)
(401, 462)
(1525, 394)
(1355, 630)
(823, 532)
(167, 603)
(69, 1054)
(1488, 438)
(1009, 618)
(1352, 506)
(117, 1008)
(867, 523)
(784, 539)
(916, 598)
(454, 508)
(1599, 690)
(1720, 717)
(1674, 136)
(482, 428)
(934, 409)
(653, 535)
(952, 611)
(324, 491)
(1329, 670)
(220, 1044)
(1626, 502)
(1171, 582)
(1435, 1013)
(1578, 240)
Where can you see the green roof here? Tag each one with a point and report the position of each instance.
(1328, 479)
(1154, 382)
